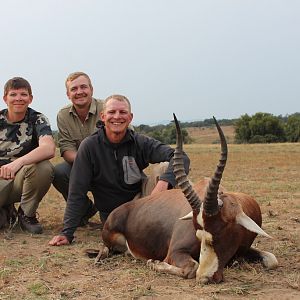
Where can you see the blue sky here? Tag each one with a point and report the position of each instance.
(195, 58)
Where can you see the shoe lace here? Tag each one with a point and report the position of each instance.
(32, 220)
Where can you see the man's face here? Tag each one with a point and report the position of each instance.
(116, 117)
(80, 92)
(17, 100)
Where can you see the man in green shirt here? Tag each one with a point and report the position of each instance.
(75, 122)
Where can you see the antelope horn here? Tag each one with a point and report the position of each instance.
(179, 171)
(211, 198)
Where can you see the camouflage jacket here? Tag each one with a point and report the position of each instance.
(18, 139)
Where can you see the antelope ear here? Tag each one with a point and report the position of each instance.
(249, 224)
(189, 216)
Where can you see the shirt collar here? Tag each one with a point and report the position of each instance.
(92, 110)
(127, 137)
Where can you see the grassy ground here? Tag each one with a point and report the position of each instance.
(30, 269)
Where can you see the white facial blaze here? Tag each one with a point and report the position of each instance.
(199, 217)
(208, 260)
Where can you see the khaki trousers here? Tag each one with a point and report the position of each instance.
(29, 186)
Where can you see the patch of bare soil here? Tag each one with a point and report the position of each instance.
(31, 269)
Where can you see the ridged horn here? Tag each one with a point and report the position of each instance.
(179, 171)
(211, 198)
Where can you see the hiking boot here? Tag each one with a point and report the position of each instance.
(30, 224)
(11, 214)
(90, 213)
(8, 216)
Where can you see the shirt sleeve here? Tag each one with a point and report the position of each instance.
(65, 140)
(157, 152)
(169, 174)
(42, 126)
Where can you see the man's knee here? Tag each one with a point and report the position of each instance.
(62, 171)
(44, 171)
(45, 167)
(5, 191)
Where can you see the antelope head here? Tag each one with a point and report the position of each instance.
(219, 219)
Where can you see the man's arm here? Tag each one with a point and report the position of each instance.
(160, 186)
(77, 203)
(169, 175)
(66, 142)
(155, 151)
(45, 150)
(69, 156)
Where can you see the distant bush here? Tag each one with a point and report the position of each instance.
(208, 123)
(292, 128)
(266, 128)
(164, 133)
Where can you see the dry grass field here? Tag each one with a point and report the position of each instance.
(30, 269)
(207, 135)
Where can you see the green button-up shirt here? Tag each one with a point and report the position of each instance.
(71, 131)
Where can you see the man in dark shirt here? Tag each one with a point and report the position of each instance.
(110, 163)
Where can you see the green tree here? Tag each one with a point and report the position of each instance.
(292, 128)
(156, 134)
(242, 129)
(260, 128)
(269, 127)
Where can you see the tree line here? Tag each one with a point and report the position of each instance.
(259, 128)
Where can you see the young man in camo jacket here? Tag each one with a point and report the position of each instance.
(26, 145)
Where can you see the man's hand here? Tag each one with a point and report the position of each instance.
(59, 240)
(10, 170)
(160, 186)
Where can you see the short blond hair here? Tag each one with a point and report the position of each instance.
(120, 98)
(75, 75)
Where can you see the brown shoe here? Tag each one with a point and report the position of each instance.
(30, 224)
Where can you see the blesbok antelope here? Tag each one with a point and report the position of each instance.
(221, 226)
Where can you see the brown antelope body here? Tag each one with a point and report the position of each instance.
(160, 228)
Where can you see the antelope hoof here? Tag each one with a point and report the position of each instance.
(102, 254)
(152, 263)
